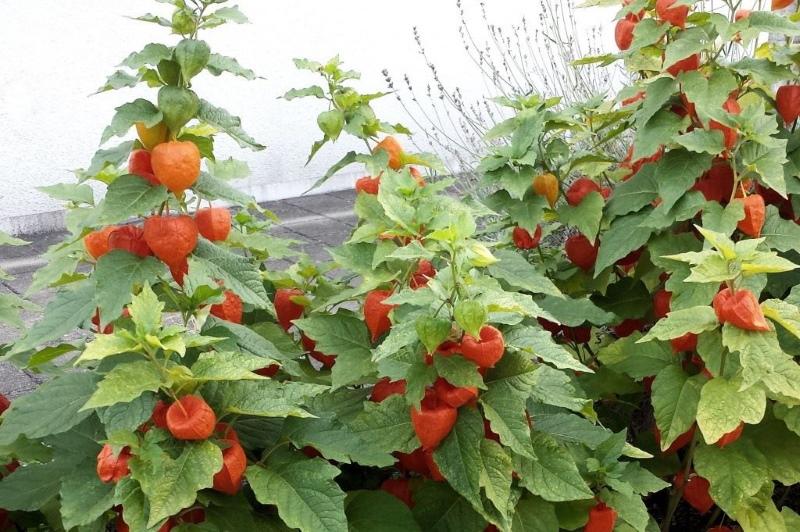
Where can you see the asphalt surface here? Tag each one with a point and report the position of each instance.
(319, 222)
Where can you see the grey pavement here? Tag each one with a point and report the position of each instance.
(318, 222)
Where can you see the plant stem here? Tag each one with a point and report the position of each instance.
(677, 491)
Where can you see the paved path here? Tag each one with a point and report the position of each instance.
(319, 222)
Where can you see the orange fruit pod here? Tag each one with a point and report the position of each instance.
(781, 4)
(171, 238)
(754, 215)
(787, 102)
(674, 14)
(150, 137)
(487, 349)
(139, 164)
(368, 185)
(129, 238)
(214, 223)
(581, 252)
(393, 149)
(546, 185)
(376, 313)
(230, 309)
(96, 242)
(433, 421)
(176, 164)
(286, 309)
(623, 33)
(190, 418)
(111, 467)
(234, 463)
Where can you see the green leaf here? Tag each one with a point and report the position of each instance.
(534, 515)
(83, 497)
(116, 275)
(702, 141)
(586, 216)
(179, 106)
(130, 196)
(151, 55)
(675, 397)
(231, 125)
(217, 64)
(211, 187)
(31, 487)
(458, 371)
(627, 298)
(228, 366)
(386, 425)
(663, 125)
(779, 234)
(192, 55)
(346, 337)
(688, 42)
(633, 194)
(459, 456)
(553, 475)
(237, 273)
(125, 383)
(440, 509)
(735, 473)
(106, 345)
(636, 360)
(519, 273)
(469, 315)
(128, 114)
(537, 342)
(496, 475)
(432, 331)
(68, 309)
(723, 405)
(73, 192)
(303, 490)
(625, 235)
(369, 511)
(264, 398)
(693, 320)
(128, 416)
(574, 312)
(171, 485)
(676, 172)
(53, 408)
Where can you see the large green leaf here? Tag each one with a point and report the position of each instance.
(625, 235)
(267, 398)
(53, 408)
(303, 490)
(231, 125)
(125, 383)
(723, 406)
(346, 337)
(369, 511)
(438, 508)
(459, 457)
(519, 273)
(116, 275)
(84, 497)
(171, 485)
(553, 475)
(68, 309)
(693, 320)
(675, 397)
(735, 473)
(139, 110)
(537, 342)
(236, 272)
(129, 196)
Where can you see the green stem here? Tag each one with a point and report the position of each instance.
(677, 492)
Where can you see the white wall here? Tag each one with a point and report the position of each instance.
(56, 53)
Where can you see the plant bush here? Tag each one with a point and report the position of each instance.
(431, 377)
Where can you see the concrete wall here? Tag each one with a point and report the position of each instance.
(56, 53)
